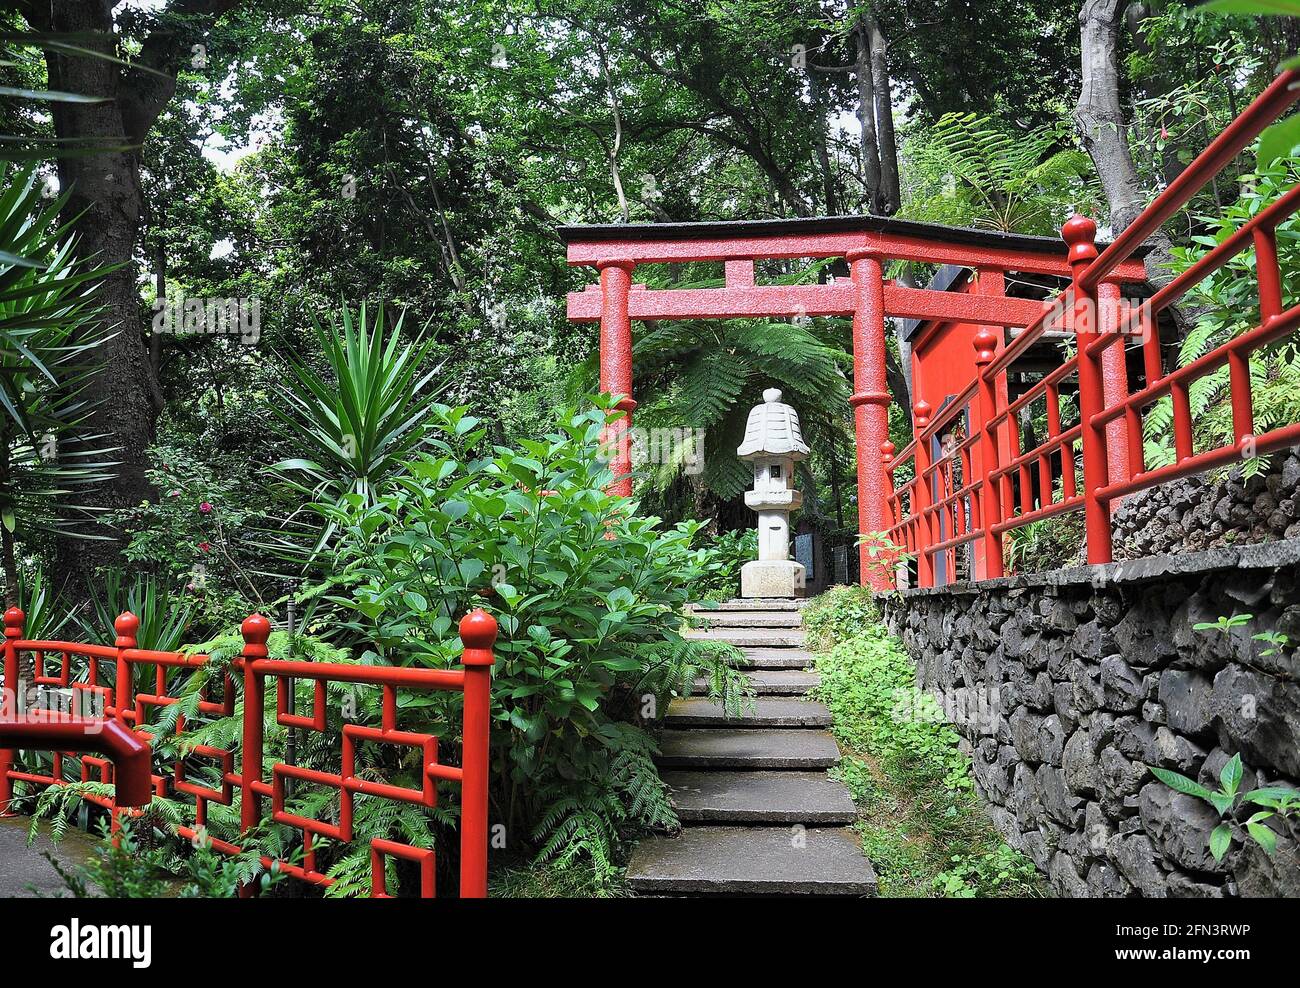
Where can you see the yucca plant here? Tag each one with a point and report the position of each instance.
(49, 331)
(356, 425)
(45, 615)
(164, 616)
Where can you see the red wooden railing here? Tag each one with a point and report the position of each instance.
(128, 710)
(968, 495)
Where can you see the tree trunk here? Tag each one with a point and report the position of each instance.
(889, 194)
(1103, 128)
(1099, 116)
(105, 194)
(869, 158)
(818, 93)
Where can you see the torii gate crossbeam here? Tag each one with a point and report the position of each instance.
(867, 244)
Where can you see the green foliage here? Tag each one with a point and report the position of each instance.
(1046, 544)
(589, 599)
(1227, 305)
(532, 881)
(196, 535)
(838, 615)
(731, 551)
(356, 425)
(1277, 641)
(48, 334)
(921, 821)
(165, 614)
(970, 170)
(45, 613)
(132, 868)
(1280, 801)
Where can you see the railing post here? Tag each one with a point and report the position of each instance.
(9, 704)
(1114, 382)
(255, 629)
(985, 343)
(922, 495)
(478, 633)
(127, 628)
(1079, 233)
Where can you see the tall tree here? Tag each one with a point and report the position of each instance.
(1104, 128)
(105, 197)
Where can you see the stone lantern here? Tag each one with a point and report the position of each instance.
(773, 443)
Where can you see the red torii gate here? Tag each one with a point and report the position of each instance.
(867, 243)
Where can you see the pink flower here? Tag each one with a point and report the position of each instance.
(205, 508)
(204, 547)
(610, 535)
(175, 492)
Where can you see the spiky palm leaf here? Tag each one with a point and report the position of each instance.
(356, 428)
(49, 330)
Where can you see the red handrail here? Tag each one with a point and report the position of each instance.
(1109, 435)
(48, 731)
(124, 734)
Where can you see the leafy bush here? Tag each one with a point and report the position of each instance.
(839, 614)
(134, 869)
(588, 597)
(1049, 543)
(921, 822)
(731, 551)
(197, 535)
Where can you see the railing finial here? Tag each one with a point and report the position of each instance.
(256, 630)
(127, 627)
(985, 343)
(1080, 233)
(921, 413)
(14, 618)
(478, 629)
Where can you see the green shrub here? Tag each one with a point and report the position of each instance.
(731, 550)
(588, 597)
(921, 822)
(839, 614)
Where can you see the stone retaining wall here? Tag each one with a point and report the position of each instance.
(1212, 511)
(1066, 685)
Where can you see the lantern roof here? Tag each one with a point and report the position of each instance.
(773, 430)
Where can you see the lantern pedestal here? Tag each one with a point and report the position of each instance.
(772, 578)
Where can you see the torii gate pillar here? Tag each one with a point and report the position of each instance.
(870, 401)
(616, 363)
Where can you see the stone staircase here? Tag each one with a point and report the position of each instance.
(759, 814)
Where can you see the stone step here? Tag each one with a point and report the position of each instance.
(774, 682)
(809, 798)
(750, 604)
(750, 637)
(748, 748)
(751, 619)
(774, 658)
(752, 861)
(765, 711)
